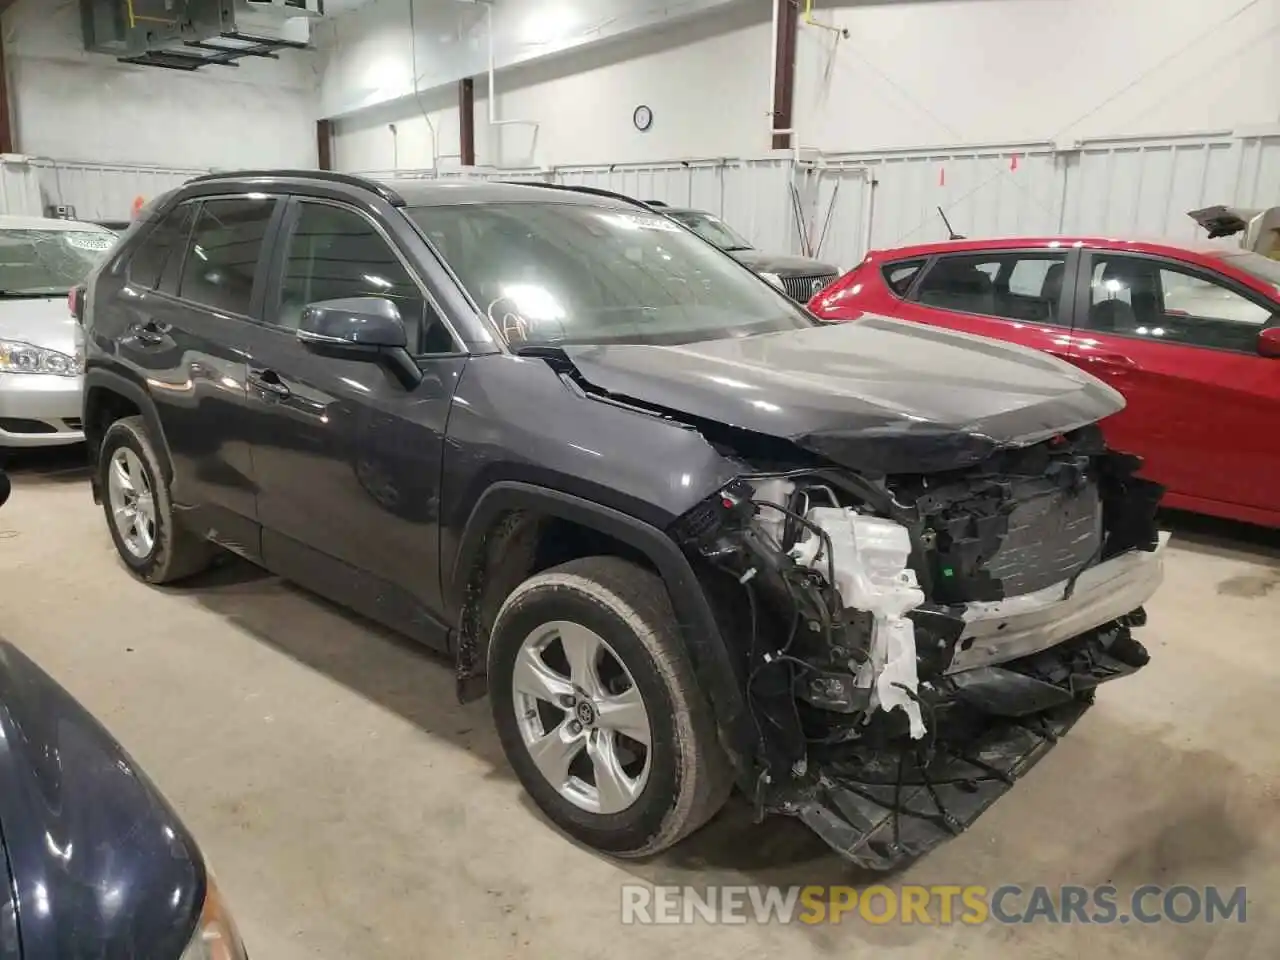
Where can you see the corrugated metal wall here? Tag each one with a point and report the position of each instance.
(97, 191)
(105, 191)
(838, 206)
(1146, 187)
(1257, 182)
(995, 191)
(20, 189)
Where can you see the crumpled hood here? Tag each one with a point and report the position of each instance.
(784, 266)
(42, 322)
(877, 395)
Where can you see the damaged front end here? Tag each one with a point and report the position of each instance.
(912, 644)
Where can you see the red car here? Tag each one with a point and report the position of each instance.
(1190, 334)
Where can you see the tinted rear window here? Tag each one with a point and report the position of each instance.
(225, 246)
(899, 275)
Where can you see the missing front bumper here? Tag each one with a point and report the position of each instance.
(883, 817)
(882, 806)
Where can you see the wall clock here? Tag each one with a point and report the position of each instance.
(642, 118)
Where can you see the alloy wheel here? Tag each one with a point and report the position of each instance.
(582, 717)
(133, 504)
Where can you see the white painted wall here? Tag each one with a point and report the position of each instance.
(366, 142)
(913, 73)
(370, 57)
(706, 101)
(69, 104)
(1001, 71)
(690, 74)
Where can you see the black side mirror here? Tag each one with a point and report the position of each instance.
(1269, 342)
(360, 328)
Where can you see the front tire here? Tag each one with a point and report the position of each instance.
(598, 711)
(139, 511)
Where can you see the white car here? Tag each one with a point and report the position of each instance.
(41, 363)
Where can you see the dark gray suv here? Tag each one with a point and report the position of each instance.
(801, 278)
(685, 535)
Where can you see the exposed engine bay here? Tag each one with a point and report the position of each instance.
(914, 643)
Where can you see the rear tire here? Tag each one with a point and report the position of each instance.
(135, 498)
(607, 788)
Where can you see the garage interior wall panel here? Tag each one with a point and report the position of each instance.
(105, 191)
(1258, 180)
(910, 75)
(918, 73)
(573, 74)
(1146, 188)
(837, 207)
(20, 189)
(835, 216)
(995, 191)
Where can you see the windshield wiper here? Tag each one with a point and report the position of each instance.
(736, 248)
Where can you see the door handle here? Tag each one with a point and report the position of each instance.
(151, 332)
(268, 381)
(1113, 363)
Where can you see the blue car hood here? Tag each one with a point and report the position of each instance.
(100, 865)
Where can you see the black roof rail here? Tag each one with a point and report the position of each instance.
(576, 188)
(350, 179)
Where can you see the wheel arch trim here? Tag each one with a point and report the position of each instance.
(98, 378)
(699, 629)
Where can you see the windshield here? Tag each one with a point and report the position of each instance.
(1264, 268)
(711, 229)
(549, 273)
(46, 263)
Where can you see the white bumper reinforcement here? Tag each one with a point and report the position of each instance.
(1001, 630)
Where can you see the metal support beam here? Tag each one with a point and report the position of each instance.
(786, 28)
(324, 143)
(7, 144)
(467, 121)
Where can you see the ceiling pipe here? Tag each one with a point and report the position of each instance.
(417, 94)
(493, 89)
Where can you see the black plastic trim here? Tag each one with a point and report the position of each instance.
(104, 379)
(326, 176)
(576, 188)
(698, 625)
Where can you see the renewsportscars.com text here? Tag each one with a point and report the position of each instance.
(937, 904)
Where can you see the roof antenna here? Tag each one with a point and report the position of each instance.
(951, 234)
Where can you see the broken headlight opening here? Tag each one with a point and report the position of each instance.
(911, 645)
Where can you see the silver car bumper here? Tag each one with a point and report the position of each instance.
(1002, 630)
(39, 410)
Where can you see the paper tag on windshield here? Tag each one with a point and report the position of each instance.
(91, 241)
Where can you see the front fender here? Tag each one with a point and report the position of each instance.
(713, 664)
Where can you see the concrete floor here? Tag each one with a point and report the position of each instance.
(353, 810)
